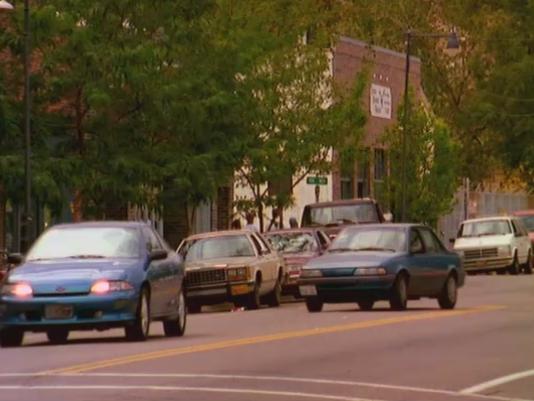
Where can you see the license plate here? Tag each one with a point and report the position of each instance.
(58, 312)
(307, 290)
(240, 289)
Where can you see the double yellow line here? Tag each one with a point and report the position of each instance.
(107, 363)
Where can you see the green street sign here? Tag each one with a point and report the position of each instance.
(316, 180)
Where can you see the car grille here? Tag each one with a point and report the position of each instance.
(481, 253)
(214, 276)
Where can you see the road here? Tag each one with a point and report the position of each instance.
(483, 350)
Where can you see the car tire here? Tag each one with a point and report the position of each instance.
(514, 268)
(11, 338)
(314, 304)
(254, 299)
(57, 336)
(274, 299)
(528, 265)
(176, 327)
(449, 293)
(140, 328)
(366, 304)
(398, 299)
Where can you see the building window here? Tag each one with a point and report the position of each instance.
(380, 164)
(347, 187)
(363, 187)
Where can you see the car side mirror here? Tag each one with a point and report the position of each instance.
(15, 258)
(158, 254)
(388, 217)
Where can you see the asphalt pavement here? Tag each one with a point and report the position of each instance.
(483, 350)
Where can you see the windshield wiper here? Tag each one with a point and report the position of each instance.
(86, 257)
(374, 248)
(488, 234)
(341, 250)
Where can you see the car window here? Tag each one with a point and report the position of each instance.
(518, 228)
(256, 244)
(528, 222)
(484, 228)
(416, 244)
(231, 246)
(264, 246)
(293, 242)
(323, 239)
(152, 241)
(429, 240)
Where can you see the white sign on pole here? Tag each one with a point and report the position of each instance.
(380, 101)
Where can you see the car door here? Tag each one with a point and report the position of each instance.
(436, 260)
(157, 274)
(521, 239)
(268, 261)
(175, 268)
(417, 264)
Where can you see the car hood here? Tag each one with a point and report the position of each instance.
(64, 276)
(482, 242)
(220, 263)
(350, 259)
(299, 258)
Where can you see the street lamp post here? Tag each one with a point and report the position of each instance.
(28, 224)
(452, 43)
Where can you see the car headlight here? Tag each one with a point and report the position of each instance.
(370, 271)
(460, 252)
(238, 274)
(310, 273)
(105, 287)
(19, 290)
(505, 250)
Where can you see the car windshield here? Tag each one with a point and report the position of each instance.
(390, 239)
(528, 221)
(483, 228)
(216, 248)
(343, 214)
(293, 242)
(86, 242)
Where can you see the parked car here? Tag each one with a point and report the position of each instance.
(527, 217)
(394, 262)
(333, 216)
(231, 266)
(494, 243)
(93, 276)
(297, 246)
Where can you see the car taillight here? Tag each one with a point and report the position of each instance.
(20, 290)
(105, 287)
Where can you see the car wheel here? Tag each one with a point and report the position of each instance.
(176, 327)
(528, 265)
(314, 304)
(275, 297)
(140, 328)
(449, 294)
(399, 293)
(366, 304)
(254, 301)
(514, 267)
(57, 336)
(11, 338)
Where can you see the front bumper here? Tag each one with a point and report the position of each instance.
(349, 289)
(211, 294)
(88, 311)
(487, 263)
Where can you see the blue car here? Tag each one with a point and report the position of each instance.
(93, 276)
(393, 262)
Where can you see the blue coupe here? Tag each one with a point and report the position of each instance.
(394, 262)
(93, 276)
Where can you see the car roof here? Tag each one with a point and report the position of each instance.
(292, 231)
(384, 225)
(214, 234)
(105, 223)
(489, 218)
(343, 202)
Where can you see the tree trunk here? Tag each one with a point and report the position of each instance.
(77, 207)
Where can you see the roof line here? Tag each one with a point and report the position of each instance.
(378, 49)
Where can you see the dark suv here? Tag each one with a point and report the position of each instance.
(333, 216)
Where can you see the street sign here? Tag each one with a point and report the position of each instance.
(317, 180)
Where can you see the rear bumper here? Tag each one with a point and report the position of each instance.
(88, 312)
(349, 289)
(218, 293)
(487, 263)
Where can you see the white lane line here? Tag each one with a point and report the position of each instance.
(192, 389)
(266, 378)
(497, 382)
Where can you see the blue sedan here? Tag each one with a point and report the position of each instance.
(93, 276)
(393, 262)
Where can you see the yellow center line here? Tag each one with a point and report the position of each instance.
(85, 367)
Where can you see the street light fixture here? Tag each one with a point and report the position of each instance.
(28, 225)
(453, 42)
